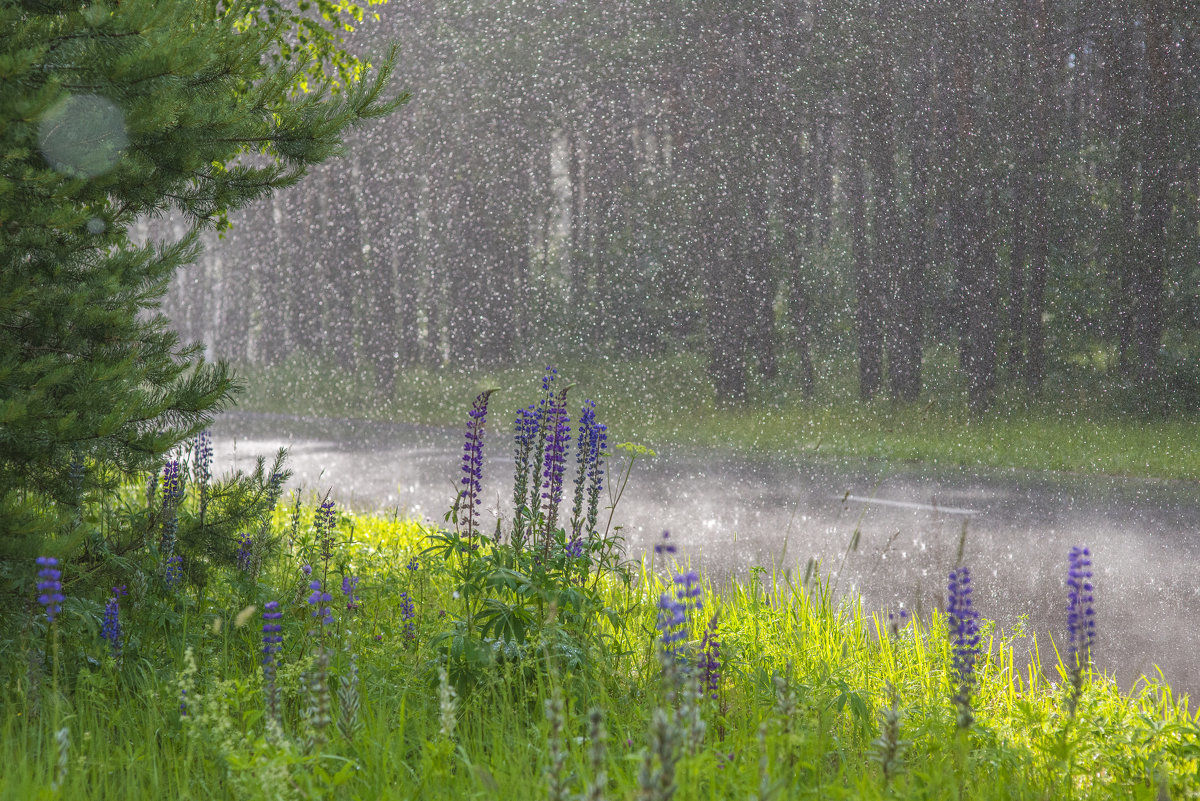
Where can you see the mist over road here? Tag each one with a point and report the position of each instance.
(729, 513)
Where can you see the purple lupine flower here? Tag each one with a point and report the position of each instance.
(172, 496)
(587, 418)
(896, 621)
(472, 460)
(964, 641)
(710, 660)
(540, 423)
(173, 570)
(172, 484)
(407, 614)
(324, 521)
(245, 552)
(589, 457)
(1081, 617)
(1081, 620)
(272, 642)
(574, 548)
(350, 590)
(110, 629)
(687, 590)
(306, 569)
(672, 622)
(413, 564)
(664, 544)
(49, 586)
(558, 434)
(320, 601)
(202, 464)
(525, 432)
(202, 467)
(597, 450)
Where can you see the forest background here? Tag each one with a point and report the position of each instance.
(805, 191)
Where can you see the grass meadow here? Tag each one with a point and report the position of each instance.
(395, 699)
(1080, 423)
(349, 656)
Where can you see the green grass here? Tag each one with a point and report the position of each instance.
(1077, 425)
(805, 687)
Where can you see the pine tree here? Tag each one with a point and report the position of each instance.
(111, 113)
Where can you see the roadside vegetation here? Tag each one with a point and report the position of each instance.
(335, 655)
(1080, 423)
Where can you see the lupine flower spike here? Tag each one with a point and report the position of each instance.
(49, 587)
(1081, 622)
(110, 629)
(525, 432)
(202, 467)
(245, 552)
(350, 590)
(472, 462)
(320, 600)
(541, 417)
(558, 435)
(710, 660)
(407, 616)
(172, 496)
(324, 522)
(964, 641)
(587, 418)
(272, 641)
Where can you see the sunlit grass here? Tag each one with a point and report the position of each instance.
(809, 672)
(1075, 425)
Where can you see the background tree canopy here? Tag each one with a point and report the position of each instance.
(112, 113)
(1013, 180)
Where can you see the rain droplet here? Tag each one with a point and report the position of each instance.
(83, 135)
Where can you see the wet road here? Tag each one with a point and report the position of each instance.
(730, 513)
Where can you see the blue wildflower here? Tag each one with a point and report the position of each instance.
(540, 424)
(574, 548)
(202, 464)
(525, 432)
(472, 461)
(151, 488)
(49, 586)
(408, 614)
(413, 564)
(672, 622)
(687, 590)
(110, 628)
(589, 458)
(1081, 619)
(710, 660)
(320, 601)
(558, 434)
(172, 496)
(172, 484)
(350, 590)
(964, 641)
(325, 520)
(664, 544)
(272, 642)
(245, 552)
(202, 467)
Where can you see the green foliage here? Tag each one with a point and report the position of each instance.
(111, 113)
(1080, 424)
(798, 713)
